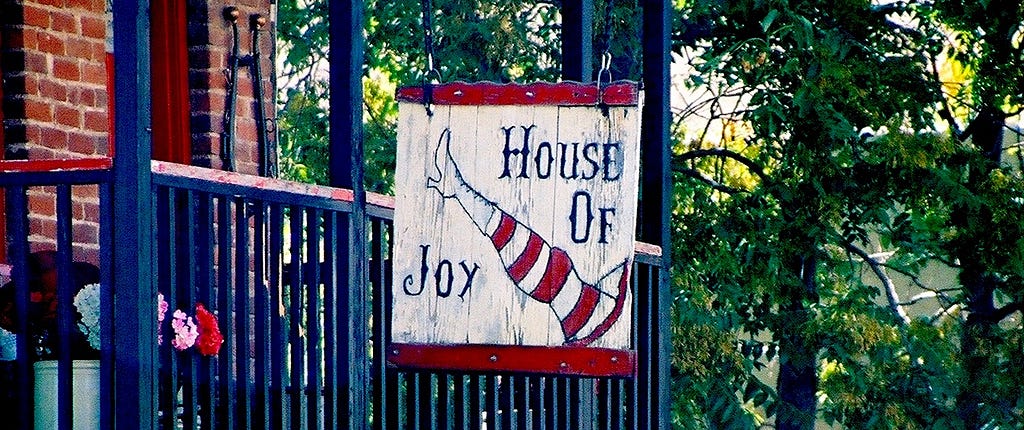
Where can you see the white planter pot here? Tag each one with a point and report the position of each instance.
(85, 389)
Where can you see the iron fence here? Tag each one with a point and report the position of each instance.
(303, 336)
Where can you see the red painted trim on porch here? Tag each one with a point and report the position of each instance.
(561, 360)
(171, 132)
(234, 178)
(621, 93)
(49, 165)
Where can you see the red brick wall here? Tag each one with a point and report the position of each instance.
(55, 103)
(55, 96)
(52, 57)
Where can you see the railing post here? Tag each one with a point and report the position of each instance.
(346, 171)
(135, 358)
(655, 215)
(577, 40)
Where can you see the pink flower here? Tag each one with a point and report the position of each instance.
(185, 331)
(161, 310)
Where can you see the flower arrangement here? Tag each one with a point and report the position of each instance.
(201, 332)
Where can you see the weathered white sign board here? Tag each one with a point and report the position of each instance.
(515, 215)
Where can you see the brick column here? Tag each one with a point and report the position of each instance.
(55, 102)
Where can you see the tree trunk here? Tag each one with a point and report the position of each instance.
(798, 376)
(978, 338)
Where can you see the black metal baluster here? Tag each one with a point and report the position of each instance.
(164, 216)
(226, 358)
(296, 384)
(312, 283)
(65, 319)
(330, 280)
(186, 261)
(261, 326)
(243, 403)
(204, 281)
(278, 336)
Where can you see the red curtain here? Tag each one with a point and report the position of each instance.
(169, 63)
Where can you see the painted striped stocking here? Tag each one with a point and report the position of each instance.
(545, 273)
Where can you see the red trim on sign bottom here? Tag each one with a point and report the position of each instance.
(562, 360)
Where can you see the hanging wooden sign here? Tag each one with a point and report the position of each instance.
(514, 230)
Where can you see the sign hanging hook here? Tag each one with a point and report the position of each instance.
(432, 76)
(606, 54)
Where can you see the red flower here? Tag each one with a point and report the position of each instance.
(210, 339)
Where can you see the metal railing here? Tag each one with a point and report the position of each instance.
(47, 271)
(290, 358)
(303, 339)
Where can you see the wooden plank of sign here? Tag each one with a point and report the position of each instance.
(565, 178)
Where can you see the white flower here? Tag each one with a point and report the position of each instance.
(87, 302)
(8, 345)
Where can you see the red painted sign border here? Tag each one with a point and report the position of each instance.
(620, 93)
(562, 360)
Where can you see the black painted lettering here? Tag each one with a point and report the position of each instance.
(564, 147)
(591, 159)
(409, 282)
(574, 217)
(610, 161)
(606, 225)
(523, 153)
(470, 274)
(437, 279)
(542, 165)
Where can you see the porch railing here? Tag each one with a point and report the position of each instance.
(273, 260)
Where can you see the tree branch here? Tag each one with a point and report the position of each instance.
(725, 153)
(710, 182)
(890, 290)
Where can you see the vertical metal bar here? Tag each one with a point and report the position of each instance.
(106, 240)
(574, 400)
(346, 171)
(65, 321)
(577, 40)
(162, 256)
(380, 324)
(278, 337)
(135, 356)
(505, 401)
(491, 401)
(392, 414)
(17, 204)
(442, 416)
(411, 420)
(459, 407)
(655, 348)
(615, 412)
(187, 258)
(521, 407)
(331, 363)
(242, 337)
(226, 359)
(296, 383)
(261, 311)
(312, 282)
(475, 407)
(550, 394)
(424, 393)
(539, 402)
(204, 281)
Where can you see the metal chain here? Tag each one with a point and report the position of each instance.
(428, 50)
(604, 43)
